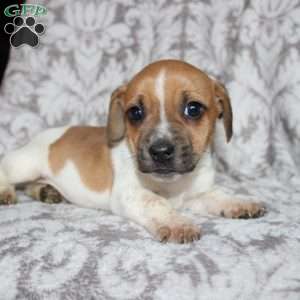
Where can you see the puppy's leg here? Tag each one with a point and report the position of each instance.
(157, 216)
(218, 203)
(43, 192)
(19, 166)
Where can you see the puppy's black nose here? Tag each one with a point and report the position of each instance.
(162, 151)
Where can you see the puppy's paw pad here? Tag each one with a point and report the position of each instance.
(184, 233)
(7, 196)
(247, 210)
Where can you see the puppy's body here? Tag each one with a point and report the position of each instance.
(153, 157)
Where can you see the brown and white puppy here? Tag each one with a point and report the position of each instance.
(153, 157)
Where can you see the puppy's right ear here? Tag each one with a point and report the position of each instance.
(224, 106)
(116, 118)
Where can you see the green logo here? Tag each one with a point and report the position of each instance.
(25, 9)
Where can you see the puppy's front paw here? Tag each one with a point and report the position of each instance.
(179, 233)
(244, 210)
(7, 195)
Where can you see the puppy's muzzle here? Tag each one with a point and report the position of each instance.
(165, 155)
(162, 151)
(162, 154)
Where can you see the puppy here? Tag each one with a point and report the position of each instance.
(154, 156)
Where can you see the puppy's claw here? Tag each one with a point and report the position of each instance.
(183, 233)
(244, 210)
(164, 233)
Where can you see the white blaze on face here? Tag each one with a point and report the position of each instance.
(163, 126)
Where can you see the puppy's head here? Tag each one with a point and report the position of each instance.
(167, 113)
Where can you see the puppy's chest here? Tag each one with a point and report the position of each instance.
(187, 187)
(176, 192)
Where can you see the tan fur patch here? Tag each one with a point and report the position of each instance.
(87, 148)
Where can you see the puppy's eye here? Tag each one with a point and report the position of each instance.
(135, 114)
(193, 110)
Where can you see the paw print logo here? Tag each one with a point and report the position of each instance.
(24, 31)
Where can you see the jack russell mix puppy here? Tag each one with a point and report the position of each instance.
(154, 156)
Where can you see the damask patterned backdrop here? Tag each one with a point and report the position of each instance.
(90, 48)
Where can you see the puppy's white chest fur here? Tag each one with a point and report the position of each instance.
(183, 187)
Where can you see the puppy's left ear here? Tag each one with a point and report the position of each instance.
(116, 118)
(224, 107)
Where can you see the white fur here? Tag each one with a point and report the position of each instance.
(31, 161)
(163, 126)
(125, 181)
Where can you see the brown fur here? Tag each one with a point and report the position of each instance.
(224, 107)
(115, 125)
(87, 148)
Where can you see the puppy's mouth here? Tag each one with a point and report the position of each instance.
(159, 171)
(166, 172)
(162, 175)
